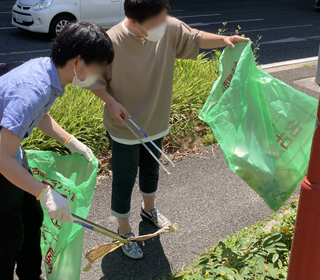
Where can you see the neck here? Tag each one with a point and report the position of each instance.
(64, 75)
(132, 29)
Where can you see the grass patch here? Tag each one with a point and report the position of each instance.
(80, 112)
(250, 254)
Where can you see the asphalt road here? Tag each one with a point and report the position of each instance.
(289, 28)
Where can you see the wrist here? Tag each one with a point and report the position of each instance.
(40, 193)
(110, 101)
(224, 38)
(67, 140)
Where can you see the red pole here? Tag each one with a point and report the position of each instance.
(305, 251)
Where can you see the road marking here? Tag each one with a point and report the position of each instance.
(5, 28)
(272, 28)
(12, 53)
(219, 22)
(5, 12)
(289, 40)
(206, 15)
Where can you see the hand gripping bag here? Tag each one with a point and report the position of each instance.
(264, 127)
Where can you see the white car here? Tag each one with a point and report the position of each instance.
(51, 16)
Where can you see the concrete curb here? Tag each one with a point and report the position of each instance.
(289, 62)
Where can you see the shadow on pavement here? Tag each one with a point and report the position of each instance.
(154, 264)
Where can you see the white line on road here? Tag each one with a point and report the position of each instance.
(219, 22)
(272, 28)
(289, 40)
(12, 53)
(206, 15)
(5, 28)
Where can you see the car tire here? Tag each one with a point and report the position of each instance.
(58, 23)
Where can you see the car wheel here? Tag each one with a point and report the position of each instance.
(58, 24)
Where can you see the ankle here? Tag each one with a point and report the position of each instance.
(147, 208)
(123, 230)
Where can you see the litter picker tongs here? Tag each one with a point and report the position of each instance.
(144, 144)
(92, 226)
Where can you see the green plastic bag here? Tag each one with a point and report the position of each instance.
(263, 126)
(74, 178)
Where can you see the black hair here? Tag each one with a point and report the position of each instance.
(141, 10)
(88, 40)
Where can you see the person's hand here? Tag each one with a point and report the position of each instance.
(118, 112)
(231, 40)
(75, 146)
(56, 205)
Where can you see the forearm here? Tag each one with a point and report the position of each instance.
(104, 96)
(50, 127)
(212, 41)
(19, 176)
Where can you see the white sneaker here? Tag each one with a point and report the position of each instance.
(155, 217)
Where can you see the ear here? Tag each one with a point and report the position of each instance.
(76, 60)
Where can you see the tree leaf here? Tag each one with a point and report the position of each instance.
(273, 273)
(260, 265)
(275, 257)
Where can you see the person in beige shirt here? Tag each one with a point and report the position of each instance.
(138, 85)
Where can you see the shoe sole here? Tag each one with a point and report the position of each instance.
(131, 256)
(145, 216)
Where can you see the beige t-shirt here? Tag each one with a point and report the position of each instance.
(141, 77)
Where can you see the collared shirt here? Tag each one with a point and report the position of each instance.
(26, 95)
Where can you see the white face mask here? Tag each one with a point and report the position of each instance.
(89, 81)
(155, 34)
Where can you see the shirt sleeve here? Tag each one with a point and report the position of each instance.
(103, 80)
(187, 41)
(21, 107)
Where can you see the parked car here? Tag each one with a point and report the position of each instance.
(51, 16)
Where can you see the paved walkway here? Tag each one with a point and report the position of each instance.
(202, 195)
